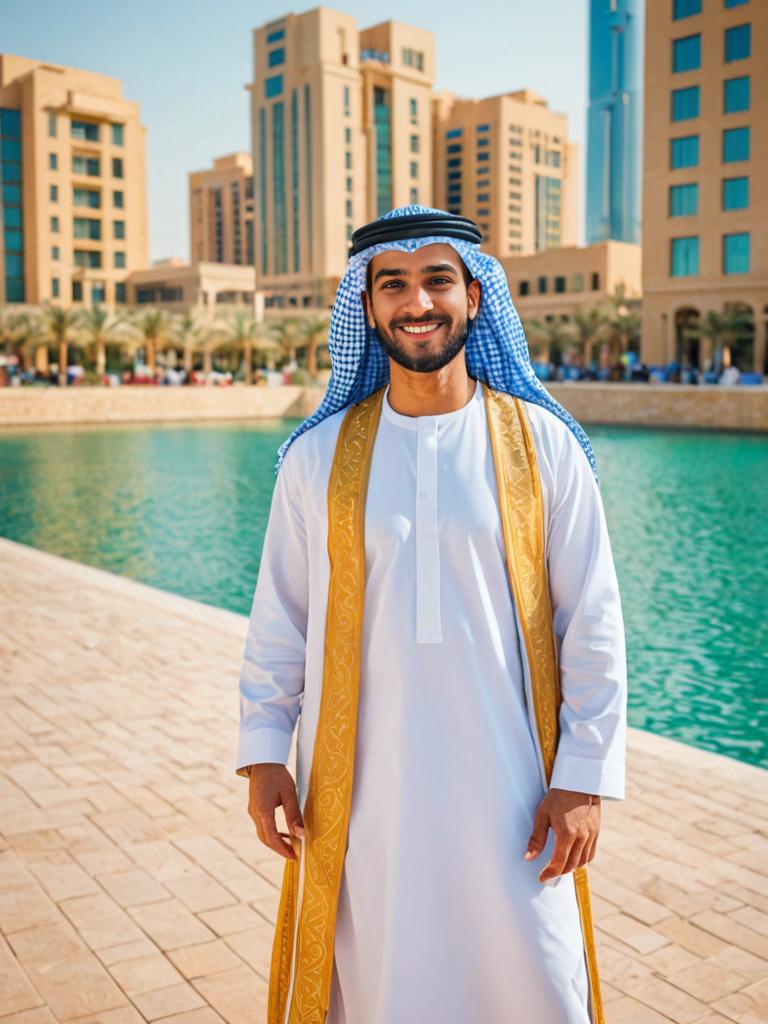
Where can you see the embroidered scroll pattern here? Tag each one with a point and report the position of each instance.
(329, 795)
(522, 517)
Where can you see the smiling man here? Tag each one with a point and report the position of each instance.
(437, 606)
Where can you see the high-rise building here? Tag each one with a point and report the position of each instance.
(506, 162)
(614, 120)
(705, 187)
(74, 198)
(221, 212)
(340, 128)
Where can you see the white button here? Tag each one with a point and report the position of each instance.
(423, 495)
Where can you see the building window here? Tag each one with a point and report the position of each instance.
(55, 253)
(685, 257)
(348, 207)
(736, 95)
(736, 253)
(98, 292)
(54, 193)
(524, 288)
(542, 284)
(454, 175)
(413, 59)
(52, 127)
(117, 167)
(482, 157)
(684, 152)
(77, 291)
(348, 160)
(118, 229)
(119, 260)
(87, 258)
(117, 200)
(595, 282)
(280, 262)
(735, 193)
(685, 8)
(348, 136)
(55, 227)
(276, 57)
(87, 165)
(53, 162)
(276, 36)
(413, 110)
(683, 200)
(735, 145)
(735, 3)
(559, 284)
(414, 143)
(86, 197)
(414, 197)
(455, 161)
(481, 143)
(484, 197)
(577, 283)
(55, 288)
(349, 184)
(86, 130)
(87, 227)
(273, 86)
(414, 169)
(686, 53)
(117, 134)
(738, 43)
(483, 212)
(685, 103)
(347, 101)
(120, 292)
(454, 133)
(383, 127)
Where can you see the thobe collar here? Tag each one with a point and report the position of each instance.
(441, 420)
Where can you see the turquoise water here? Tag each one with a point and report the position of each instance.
(184, 508)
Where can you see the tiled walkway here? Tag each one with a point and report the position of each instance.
(132, 886)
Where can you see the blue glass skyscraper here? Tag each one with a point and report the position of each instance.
(614, 123)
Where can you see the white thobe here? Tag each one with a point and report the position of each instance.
(439, 917)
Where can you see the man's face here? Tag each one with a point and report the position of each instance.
(419, 304)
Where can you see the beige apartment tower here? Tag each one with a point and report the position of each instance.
(221, 212)
(705, 185)
(74, 197)
(341, 123)
(506, 162)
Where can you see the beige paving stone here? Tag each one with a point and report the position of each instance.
(633, 933)
(170, 925)
(60, 875)
(206, 958)
(16, 991)
(254, 947)
(698, 941)
(132, 888)
(144, 974)
(239, 995)
(100, 921)
(37, 1015)
(630, 1011)
(66, 974)
(198, 891)
(708, 981)
(164, 1002)
(670, 959)
(227, 920)
(123, 1015)
(26, 907)
(731, 931)
(13, 874)
(669, 1000)
(126, 951)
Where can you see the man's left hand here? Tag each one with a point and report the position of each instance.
(575, 820)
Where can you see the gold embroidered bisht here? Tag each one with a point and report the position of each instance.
(302, 960)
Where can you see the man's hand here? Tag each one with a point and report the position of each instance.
(575, 820)
(270, 786)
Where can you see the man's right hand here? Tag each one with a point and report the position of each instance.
(270, 786)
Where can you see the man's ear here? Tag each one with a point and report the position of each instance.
(474, 293)
(366, 301)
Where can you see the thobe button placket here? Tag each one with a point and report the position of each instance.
(428, 622)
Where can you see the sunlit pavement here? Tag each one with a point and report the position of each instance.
(132, 885)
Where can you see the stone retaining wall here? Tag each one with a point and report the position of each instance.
(658, 405)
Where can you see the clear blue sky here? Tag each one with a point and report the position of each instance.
(186, 62)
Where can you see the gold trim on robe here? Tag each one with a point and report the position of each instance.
(302, 956)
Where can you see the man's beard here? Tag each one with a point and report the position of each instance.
(427, 362)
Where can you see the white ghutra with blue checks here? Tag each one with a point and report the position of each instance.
(496, 350)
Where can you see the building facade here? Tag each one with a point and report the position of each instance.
(614, 120)
(221, 212)
(74, 198)
(340, 128)
(201, 288)
(705, 186)
(506, 162)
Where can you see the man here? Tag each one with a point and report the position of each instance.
(437, 597)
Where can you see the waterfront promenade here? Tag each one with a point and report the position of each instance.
(132, 885)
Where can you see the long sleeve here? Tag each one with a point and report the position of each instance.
(589, 627)
(272, 674)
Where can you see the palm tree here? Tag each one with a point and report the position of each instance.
(315, 331)
(551, 334)
(59, 324)
(286, 333)
(589, 327)
(187, 330)
(723, 330)
(153, 324)
(623, 320)
(14, 334)
(100, 328)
